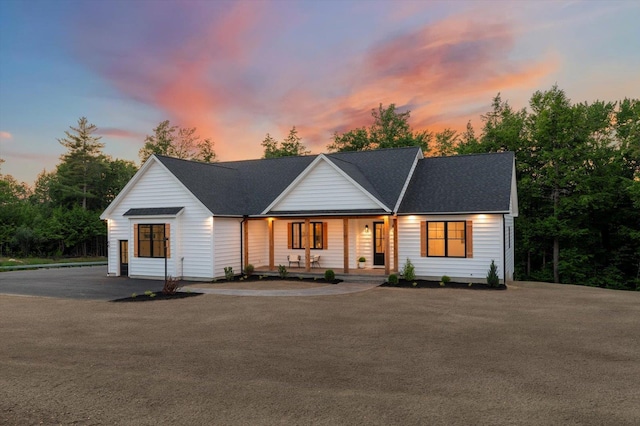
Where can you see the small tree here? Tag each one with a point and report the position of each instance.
(409, 271)
(492, 277)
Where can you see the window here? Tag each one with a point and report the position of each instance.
(151, 240)
(446, 239)
(298, 238)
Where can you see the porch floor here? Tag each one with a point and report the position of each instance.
(366, 274)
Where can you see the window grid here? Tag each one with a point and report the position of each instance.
(446, 239)
(298, 240)
(151, 240)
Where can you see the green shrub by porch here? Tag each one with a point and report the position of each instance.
(329, 275)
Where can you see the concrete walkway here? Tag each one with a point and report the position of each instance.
(327, 290)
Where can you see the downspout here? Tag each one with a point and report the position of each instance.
(504, 251)
(244, 219)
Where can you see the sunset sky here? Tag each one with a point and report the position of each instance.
(237, 70)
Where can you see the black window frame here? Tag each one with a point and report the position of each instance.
(317, 228)
(152, 255)
(446, 238)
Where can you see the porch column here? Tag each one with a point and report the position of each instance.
(246, 242)
(307, 248)
(395, 243)
(271, 255)
(345, 248)
(387, 245)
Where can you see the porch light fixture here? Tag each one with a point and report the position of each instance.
(366, 229)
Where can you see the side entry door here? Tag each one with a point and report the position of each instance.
(124, 258)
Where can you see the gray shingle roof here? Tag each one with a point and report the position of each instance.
(153, 211)
(472, 183)
(383, 172)
(460, 184)
(237, 188)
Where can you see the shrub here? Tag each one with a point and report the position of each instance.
(248, 270)
(329, 275)
(492, 277)
(445, 279)
(171, 286)
(362, 259)
(415, 284)
(282, 271)
(409, 271)
(393, 279)
(228, 273)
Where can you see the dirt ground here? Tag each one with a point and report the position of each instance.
(534, 354)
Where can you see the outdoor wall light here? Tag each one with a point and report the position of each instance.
(366, 229)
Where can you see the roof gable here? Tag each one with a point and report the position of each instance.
(237, 188)
(462, 184)
(324, 186)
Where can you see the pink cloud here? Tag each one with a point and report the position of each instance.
(5, 135)
(211, 73)
(119, 133)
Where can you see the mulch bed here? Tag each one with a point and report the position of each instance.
(156, 296)
(436, 284)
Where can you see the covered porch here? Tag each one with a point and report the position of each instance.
(313, 244)
(369, 274)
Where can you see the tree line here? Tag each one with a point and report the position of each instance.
(577, 169)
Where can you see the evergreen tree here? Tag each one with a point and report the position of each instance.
(81, 166)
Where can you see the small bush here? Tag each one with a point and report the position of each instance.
(409, 271)
(228, 273)
(282, 271)
(362, 259)
(445, 279)
(415, 284)
(329, 275)
(248, 270)
(492, 277)
(171, 286)
(393, 279)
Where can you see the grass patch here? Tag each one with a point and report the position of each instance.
(15, 261)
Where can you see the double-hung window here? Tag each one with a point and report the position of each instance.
(298, 235)
(151, 240)
(446, 239)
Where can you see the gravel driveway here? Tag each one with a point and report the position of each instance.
(536, 354)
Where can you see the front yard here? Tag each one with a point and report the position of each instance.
(535, 354)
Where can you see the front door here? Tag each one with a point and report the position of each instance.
(124, 258)
(378, 244)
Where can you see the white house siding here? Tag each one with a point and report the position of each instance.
(324, 187)
(509, 247)
(226, 245)
(190, 234)
(487, 246)
(332, 257)
(258, 242)
(116, 230)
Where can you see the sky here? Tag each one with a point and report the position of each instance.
(237, 70)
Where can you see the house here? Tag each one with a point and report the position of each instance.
(448, 215)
